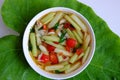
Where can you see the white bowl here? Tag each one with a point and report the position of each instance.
(41, 71)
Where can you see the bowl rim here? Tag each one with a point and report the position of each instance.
(32, 63)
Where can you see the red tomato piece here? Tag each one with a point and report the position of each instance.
(68, 48)
(51, 30)
(53, 58)
(79, 51)
(44, 27)
(70, 42)
(44, 58)
(66, 25)
(50, 48)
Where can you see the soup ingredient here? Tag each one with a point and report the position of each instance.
(73, 67)
(64, 52)
(77, 37)
(43, 58)
(54, 67)
(86, 54)
(70, 33)
(70, 42)
(48, 18)
(79, 22)
(86, 42)
(43, 49)
(57, 17)
(53, 58)
(55, 45)
(51, 38)
(56, 26)
(62, 37)
(72, 22)
(50, 48)
(33, 43)
(79, 51)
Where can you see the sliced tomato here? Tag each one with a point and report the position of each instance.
(53, 58)
(79, 51)
(44, 27)
(68, 48)
(51, 30)
(44, 58)
(50, 48)
(70, 42)
(66, 25)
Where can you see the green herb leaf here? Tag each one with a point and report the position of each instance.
(16, 14)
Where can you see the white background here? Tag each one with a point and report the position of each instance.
(106, 9)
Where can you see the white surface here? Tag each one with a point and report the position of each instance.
(106, 9)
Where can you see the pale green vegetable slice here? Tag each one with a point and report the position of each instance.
(64, 63)
(73, 58)
(60, 58)
(47, 18)
(86, 42)
(66, 67)
(73, 67)
(70, 33)
(53, 67)
(38, 40)
(43, 49)
(86, 54)
(64, 52)
(33, 43)
(80, 56)
(55, 45)
(72, 22)
(80, 34)
(56, 18)
(51, 38)
(79, 22)
(77, 37)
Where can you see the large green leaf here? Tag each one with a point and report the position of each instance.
(16, 14)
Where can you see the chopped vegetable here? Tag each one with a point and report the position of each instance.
(50, 48)
(70, 42)
(44, 58)
(79, 22)
(43, 49)
(53, 58)
(73, 67)
(77, 37)
(79, 51)
(56, 26)
(86, 42)
(62, 37)
(72, 22)
(70, 33)
(55, 45)
(73, 58)
(33, 43)
(86, 55)
(57, 17)
(44, 27)
(51, 38)
(66, 67)
(66, 53)
(53, 67)
(47, 18)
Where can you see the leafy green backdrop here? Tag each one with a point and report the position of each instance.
(16, 14)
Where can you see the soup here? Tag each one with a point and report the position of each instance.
(59, 42)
